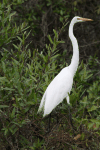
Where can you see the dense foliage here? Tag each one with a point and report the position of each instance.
(34, 47)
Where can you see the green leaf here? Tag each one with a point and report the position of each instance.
(19, 38)
(92, 108)
(7, 88)
(97, 122)
(56, 34)
(4, 67)
(49, 37)
(90, 125)
(3, 106)
(33, 78)
(14, 130)
(15, 46)
(3, 79)
(13, 113)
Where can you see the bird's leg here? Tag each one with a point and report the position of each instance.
(49, 122)
(70, 118)
(57, 119)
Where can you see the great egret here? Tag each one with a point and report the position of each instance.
(61, 85)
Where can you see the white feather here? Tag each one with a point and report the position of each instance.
(61, 85)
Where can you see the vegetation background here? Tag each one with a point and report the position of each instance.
(34, 47)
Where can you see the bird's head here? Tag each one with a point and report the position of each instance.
(80, 19)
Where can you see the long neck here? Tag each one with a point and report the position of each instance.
(75, 58)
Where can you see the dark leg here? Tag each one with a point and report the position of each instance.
(70, 118)
(49, 122)
(57, 119)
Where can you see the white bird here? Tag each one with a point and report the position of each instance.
(61, 85)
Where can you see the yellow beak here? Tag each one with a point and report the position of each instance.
(84, 19)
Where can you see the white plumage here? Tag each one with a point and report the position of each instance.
(61, 85)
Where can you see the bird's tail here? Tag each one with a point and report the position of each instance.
(41, 107)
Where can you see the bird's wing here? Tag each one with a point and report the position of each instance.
(42, 103)
(57, 90)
